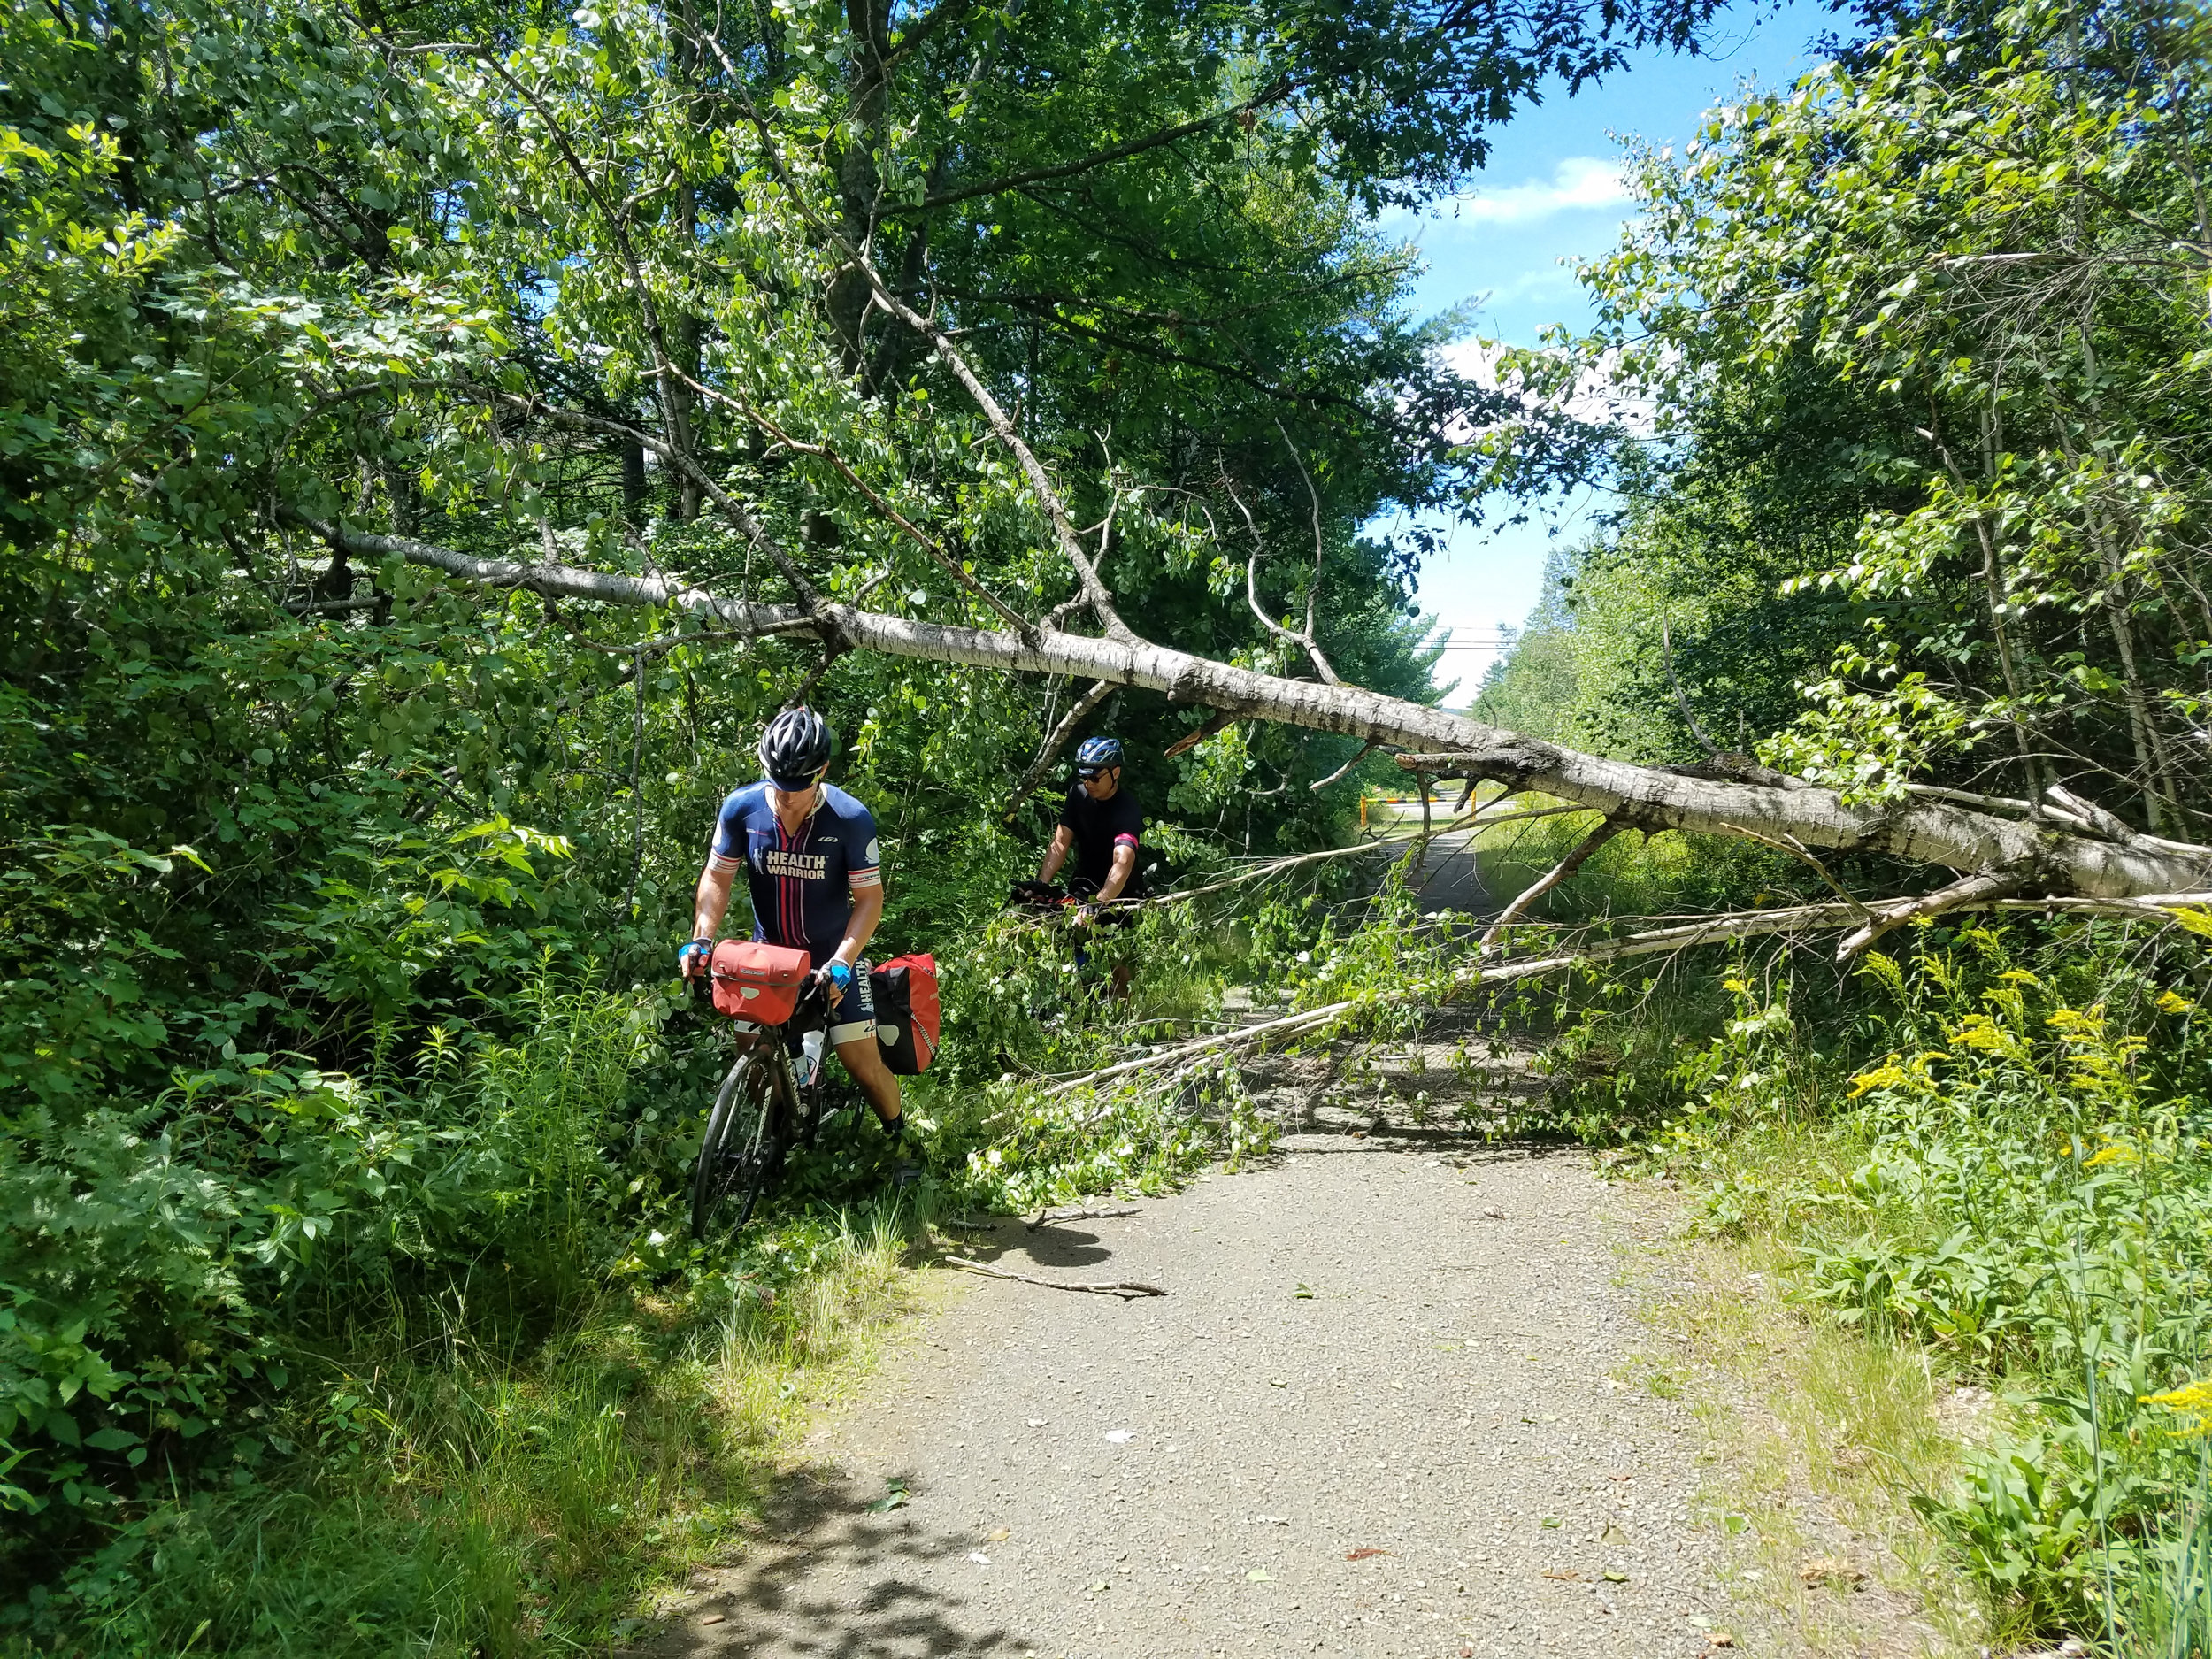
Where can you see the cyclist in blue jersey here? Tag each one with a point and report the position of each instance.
(815, 876)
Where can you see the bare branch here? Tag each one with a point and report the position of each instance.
(1281, 90)
(1342, 770)
(1251, 586)
(1560, 872)
(1681, 702)
(1313, 592)
(1128, 1290)
(1961, 894)
(1275, 867)
(1077, 712)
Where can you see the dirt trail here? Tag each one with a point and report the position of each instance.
(1438, 1451)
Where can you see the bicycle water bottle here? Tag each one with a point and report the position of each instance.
(809, 1058)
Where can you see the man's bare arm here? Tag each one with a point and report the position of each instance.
(860, 926)
(1055, 855)
(707, 907)
(1118, 877)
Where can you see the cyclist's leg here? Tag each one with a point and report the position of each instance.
(852, 1032)
(1124, 966)
(1081, 889)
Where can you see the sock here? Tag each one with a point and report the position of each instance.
(893, 1126)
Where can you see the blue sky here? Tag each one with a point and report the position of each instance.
(1552, 193)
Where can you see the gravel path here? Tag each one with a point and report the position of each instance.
(1440, 1451)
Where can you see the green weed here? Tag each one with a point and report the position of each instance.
(2019, 1182)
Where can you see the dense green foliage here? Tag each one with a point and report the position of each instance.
(1922, 337)
(337, 898)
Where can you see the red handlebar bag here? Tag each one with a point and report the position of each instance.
(757, 981)
(905, 992)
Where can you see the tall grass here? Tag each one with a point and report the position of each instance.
(1994, 1144)
(464, 1489)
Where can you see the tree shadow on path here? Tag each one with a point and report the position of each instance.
(836, 1578)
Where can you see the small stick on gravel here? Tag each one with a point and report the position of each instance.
(1128, 1292)
(1046, 1219)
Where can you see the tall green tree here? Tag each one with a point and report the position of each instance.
(1925, 333)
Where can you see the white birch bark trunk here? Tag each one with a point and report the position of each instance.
(2055, 860)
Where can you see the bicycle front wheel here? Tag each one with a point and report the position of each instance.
(741, 1152)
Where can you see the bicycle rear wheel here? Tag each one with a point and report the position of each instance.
(741, 1152)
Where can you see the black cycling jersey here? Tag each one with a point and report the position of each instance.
(1100, 826)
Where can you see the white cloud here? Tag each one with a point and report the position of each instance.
(1597, 396)
(1578, 182)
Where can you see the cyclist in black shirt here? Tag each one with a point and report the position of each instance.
(1103, 824)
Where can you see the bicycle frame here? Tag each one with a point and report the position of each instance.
(755, 1120)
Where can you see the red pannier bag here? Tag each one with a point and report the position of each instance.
(756, 980)
(905, 991)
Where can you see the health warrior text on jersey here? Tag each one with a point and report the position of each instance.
(800, 866)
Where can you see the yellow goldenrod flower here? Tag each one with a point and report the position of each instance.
(2172, 1002)
(2112, 1153)
(2191, 1400)
(1978, 1031)
(1887, 1075)
(1737, 985)
(2021, 976)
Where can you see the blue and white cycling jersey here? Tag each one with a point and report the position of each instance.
(802, 884)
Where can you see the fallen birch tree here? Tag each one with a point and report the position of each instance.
(2055, 854)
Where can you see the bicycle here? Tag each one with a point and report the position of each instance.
(761, 1111)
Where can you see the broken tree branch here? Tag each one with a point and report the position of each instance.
(2095, 819)
(1558, 873)
(1128, 1290)
(1365, 750)
(1079, 711)
(1961, 894)
(1189, 741)
(1275, 867)
(1737, 924)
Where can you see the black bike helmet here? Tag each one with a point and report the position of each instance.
(794, 750)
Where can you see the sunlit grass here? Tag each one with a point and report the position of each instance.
(1799, 1409)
